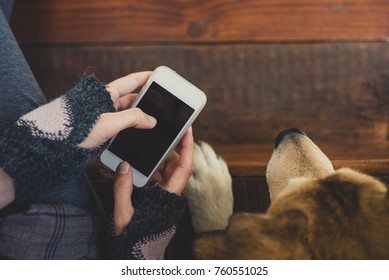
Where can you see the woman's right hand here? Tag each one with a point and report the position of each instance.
(110, 124)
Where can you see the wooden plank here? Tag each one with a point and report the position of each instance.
(251, 159)
(131, 21)
(331, 91)
(251, 194)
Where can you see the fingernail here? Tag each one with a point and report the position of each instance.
(123, 168)
(152, 120)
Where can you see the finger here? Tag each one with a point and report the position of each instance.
(184, 170)
(126, 101)
(157, 178)
(168, 167)
(129, 83)
(113, 123)
(136, 118)
(172, 157)
(122, 190)
(187, 149)
(171, 163)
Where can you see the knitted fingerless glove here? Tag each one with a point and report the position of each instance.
(40, 149)
(157, 213)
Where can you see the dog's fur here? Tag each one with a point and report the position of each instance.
(315, 213)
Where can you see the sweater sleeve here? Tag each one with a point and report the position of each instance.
(157, 214)
(41, 146)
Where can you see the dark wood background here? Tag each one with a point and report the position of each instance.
(321, 66)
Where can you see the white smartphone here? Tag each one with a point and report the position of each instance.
(175, 103)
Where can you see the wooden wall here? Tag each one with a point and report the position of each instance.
(200, 21)
(322, 66)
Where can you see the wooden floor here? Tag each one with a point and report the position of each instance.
(321, 66)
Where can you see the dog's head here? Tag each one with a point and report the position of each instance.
(295, 157)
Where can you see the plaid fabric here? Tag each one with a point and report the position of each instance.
(49, 231)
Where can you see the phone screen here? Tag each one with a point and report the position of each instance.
(143, 148)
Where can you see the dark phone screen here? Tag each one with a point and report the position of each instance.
(143, 148)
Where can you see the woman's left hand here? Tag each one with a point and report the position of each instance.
(173, 177)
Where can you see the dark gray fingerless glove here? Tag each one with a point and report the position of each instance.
(157, 214)
(40, 149)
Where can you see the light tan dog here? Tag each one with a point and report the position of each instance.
(315, 213)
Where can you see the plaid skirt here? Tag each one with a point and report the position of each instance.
(49, 231)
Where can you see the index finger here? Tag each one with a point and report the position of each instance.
(129, 83)
(184, 170)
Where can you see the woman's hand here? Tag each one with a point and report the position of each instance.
(110, 124)
(173, 177)
(176, 171)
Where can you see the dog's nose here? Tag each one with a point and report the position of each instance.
(284, 133)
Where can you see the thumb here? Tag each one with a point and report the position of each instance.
(113, 123)
(133, 117)
(122, 190)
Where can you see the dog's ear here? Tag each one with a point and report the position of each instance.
(254, 236)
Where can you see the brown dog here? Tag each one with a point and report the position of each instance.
(315, 213)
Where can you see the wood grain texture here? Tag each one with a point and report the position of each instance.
(251, 159)
(131, 21)
(333, 92)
